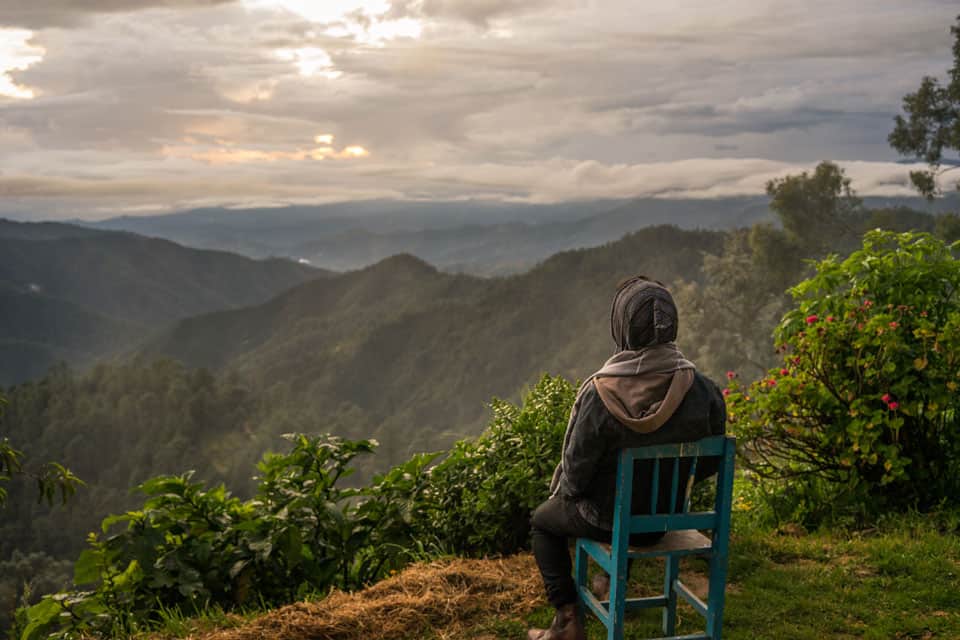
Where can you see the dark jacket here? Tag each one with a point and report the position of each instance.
(590, 459)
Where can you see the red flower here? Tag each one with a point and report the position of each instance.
(771, 382)
(829, 318)
(867, 304)
(784, 372)
(726, 392)
(812, 318)
(796, 360)
(893, 406)
(886, 398)
(894, 325)
(731, 375)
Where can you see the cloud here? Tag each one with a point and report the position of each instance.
(477, 12)
(540, 99)
(291, 180)
(32, 14)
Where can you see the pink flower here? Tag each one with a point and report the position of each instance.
(894, 324)
(784, 372)
(812, 318)
(886, 398)
(829, 318)
(726, 392)
(771, 382)
(867, 304)
(731, 375)
(893, 406)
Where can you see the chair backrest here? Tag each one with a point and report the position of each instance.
(667, 462)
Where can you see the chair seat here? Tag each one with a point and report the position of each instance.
(684, 541)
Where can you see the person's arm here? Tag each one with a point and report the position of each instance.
(718, 410)
(586, 447)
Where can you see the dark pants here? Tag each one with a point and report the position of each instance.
(552, 524)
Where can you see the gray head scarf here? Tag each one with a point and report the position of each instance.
(643, 314)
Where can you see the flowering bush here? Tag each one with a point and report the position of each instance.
(865, 399)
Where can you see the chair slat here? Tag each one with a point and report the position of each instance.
(688, 492)
(712, 446)
(666, 522)
(674, 485)
(655, 486)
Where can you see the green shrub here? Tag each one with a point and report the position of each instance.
(863, 409)
(480, 497)
(192, 547)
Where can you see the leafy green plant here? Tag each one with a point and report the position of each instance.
(191, 548)
(864, 405)
(480, 497)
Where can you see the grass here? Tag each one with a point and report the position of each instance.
(900, 582)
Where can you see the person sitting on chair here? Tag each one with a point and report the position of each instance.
(647, 393)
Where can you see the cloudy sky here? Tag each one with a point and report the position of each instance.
(135, 106)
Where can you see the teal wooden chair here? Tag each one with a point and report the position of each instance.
(682, 538)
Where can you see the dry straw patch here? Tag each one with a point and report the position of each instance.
(446, 594)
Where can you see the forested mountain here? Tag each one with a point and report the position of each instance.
(398, 351)
(404, 352)
(72, 293)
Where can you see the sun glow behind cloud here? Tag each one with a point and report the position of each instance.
(310, 61)
(225, 154)
(365, 21)
(17, 54)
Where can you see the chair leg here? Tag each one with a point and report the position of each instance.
(716, 595)
(580, 577)
(670, 592)
(618, 598)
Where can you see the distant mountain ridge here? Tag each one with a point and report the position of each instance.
(478, 237)
(78, 294)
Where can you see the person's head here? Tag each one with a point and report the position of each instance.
(643, 314)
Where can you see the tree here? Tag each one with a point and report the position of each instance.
(735, 312)
(50, 477)
(932, 125)
(820, 212)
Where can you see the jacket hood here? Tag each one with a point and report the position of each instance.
(645, 398)
(642, 314)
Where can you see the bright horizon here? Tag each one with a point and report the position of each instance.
(109, 110)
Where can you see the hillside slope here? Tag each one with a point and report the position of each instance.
(410, 355)
(77, 294)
